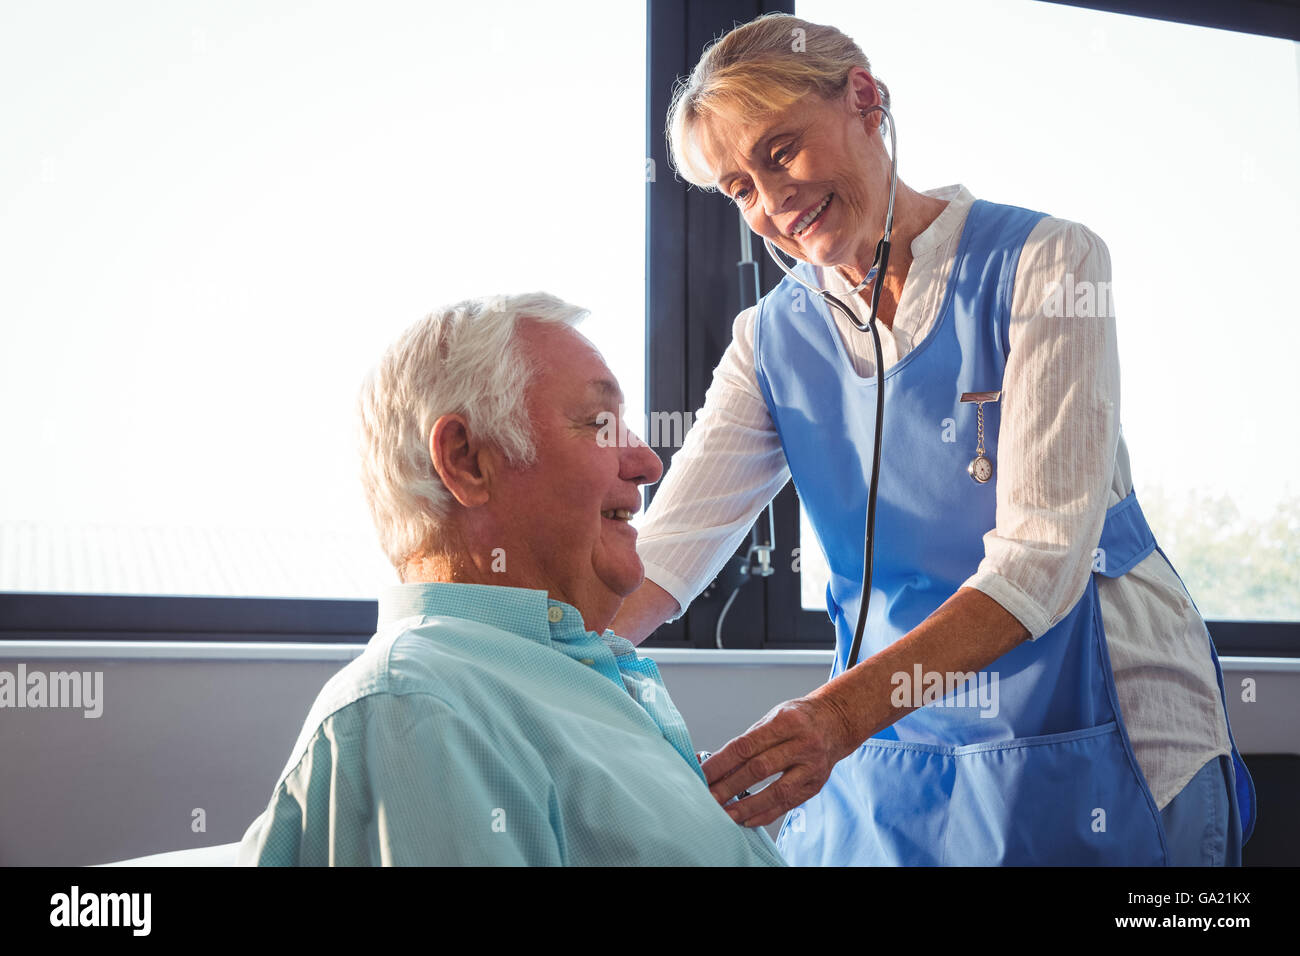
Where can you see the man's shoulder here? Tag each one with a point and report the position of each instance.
(427, 653)
(423, 662)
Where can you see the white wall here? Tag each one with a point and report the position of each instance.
(202, 726)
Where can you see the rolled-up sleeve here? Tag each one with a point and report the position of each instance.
(1059, 428)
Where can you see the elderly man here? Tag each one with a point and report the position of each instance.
(493, 718)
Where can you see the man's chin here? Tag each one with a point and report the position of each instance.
(626, 587)
(624, 581)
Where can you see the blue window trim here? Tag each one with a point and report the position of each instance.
(131, 617)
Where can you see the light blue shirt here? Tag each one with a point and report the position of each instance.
(486, 726)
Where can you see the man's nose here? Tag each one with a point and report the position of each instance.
(640, 463)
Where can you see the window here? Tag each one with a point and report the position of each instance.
(217, 217)
(1178, 145)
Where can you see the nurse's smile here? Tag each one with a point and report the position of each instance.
(812, 220)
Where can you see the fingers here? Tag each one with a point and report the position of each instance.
(776, 759)
(740, 751)
(771, 803)
(790, 742)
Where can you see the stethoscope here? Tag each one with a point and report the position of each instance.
(878, 268)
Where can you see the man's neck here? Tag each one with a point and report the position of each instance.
(456, 568)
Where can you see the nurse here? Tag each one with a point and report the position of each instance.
(1035, 686)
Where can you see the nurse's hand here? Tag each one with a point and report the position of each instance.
(801, 739)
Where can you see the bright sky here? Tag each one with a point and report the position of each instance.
(1179, 146)
(215, 216)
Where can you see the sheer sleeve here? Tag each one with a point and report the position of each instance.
(729, 467)
(1059, 428)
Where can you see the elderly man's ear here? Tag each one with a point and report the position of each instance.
(465, 465)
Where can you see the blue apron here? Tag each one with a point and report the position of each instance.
(1028, 762)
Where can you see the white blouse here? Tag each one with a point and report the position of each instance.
(1062, 462)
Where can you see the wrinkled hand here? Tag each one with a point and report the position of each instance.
(800, 739)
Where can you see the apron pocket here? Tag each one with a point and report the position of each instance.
(1072, 799)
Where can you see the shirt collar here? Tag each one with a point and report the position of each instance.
(947, 222)
(528, 613)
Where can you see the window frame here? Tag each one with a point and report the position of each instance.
(691, 297)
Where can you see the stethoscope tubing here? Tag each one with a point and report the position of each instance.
(878, 269)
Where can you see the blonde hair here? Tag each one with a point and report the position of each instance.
(757, 69)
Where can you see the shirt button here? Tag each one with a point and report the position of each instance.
(555, 614)
(588, 661)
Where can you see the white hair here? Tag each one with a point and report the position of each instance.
(462, 359)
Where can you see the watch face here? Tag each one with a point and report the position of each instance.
(981, 469)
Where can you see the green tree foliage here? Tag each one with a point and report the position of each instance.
(1235, 568)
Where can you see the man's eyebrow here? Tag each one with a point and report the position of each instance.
(606, 388)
